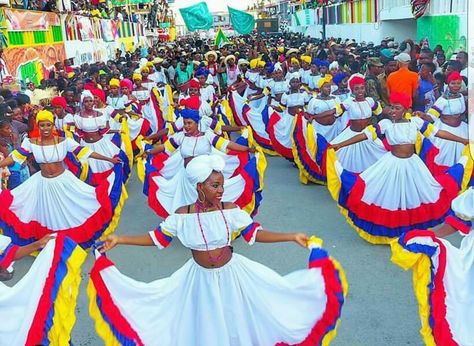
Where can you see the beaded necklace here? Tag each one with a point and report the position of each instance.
(200, 207)
(52, 155)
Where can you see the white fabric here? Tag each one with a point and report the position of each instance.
(449, 151)
(454, 106)
(141, 95)
(19, 303)
(458, 282)
(91, 124)
(399, 184)
(61, 123)
(103, 146)
(463, 205)
(149, 113)
(241, 303)
(295, 99)
(359, 110)
(201, 167)
(58, 203)
(86, 93)
(214, 225)
(360, 156)
(313, 81)
(195, 146)
(239, 102)
(317, 106)
(117, 103)
(135, 127)
(207, 94)
(277, 87)
(50, 153)
(254, 116)
(282, 128)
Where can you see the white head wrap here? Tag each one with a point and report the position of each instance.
(205, 109)
(334, 65)
(86, 93)
(201, 167)
(277, 67)
(294, 75)
(463, 205)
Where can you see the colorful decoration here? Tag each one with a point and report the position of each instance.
(419, 7)
(241, 21)
(197, 17)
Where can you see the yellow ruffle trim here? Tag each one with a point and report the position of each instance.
(65, 304)
(421, 265)
(117, 212)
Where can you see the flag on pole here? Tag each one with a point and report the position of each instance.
(197, 17)
(221, 38)
(241, 21)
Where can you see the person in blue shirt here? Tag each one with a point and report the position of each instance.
(427, 88)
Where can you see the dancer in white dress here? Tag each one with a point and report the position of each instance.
(359, 109)
(443, 275)
(217, 297)
(397, 193)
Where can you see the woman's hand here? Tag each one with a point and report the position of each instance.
(301, 239)
(109, 243)
(43, 241)
(252, 150)
(115, 160)
(336, 147)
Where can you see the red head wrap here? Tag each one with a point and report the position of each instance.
(126, 83)
(455, 75)
(194, 83)
(400, 98)
(99, 93)
(356, 80)
(192, 102)
(59, 101)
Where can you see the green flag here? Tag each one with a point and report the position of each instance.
(197, 17)
(241, 21)
(221, 39)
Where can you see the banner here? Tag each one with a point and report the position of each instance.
(419, 7)
(305, 17)
(19, 20)
(197, 17)
(242, 22)
(109, 30)
(85, 28)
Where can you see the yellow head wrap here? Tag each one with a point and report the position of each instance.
(137, 76)
(294, 61)
(261, 63)
(149, 64)
(326, 79)
(306, 58)
(71, 75)
(114, 82)
(145, 69)
(45, 115)
(254, 63)
(281, 49)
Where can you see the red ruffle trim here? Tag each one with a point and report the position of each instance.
(279, 148)
(79, 234)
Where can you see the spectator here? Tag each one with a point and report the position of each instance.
(462, 58)
(427, 87)
(403, 81)
(372, 83)
(8, 143)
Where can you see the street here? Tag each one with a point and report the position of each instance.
(380, 308)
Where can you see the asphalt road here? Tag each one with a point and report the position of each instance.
(380, 308)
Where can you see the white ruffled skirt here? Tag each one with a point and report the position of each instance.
(241, 303)
(449, 151)
(105, 147)
(358, 157)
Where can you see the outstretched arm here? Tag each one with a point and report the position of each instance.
(30, 248)
(113, 240)
(239, 147)
(450, 137)
(156, 149)
(276, 237)
(98, 156)
(356, 139)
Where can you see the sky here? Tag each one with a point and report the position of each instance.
(213, 5)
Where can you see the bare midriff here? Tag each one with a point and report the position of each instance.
(214, 258)
(92, 137)
(51, 170)
(326, 120)
(294, 110)
(403, 151)
(451, 120)
(360, 124)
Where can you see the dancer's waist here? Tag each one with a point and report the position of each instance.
(403, 151)
(452, 120)
(52, 170)
(213, 258)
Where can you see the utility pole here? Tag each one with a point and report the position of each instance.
(323, 7)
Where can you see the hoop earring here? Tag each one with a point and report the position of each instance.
(199, 196)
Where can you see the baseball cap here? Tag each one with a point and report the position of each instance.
(403, 58)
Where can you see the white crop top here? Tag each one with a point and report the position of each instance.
(141, 95)
(401, 133)
(295, 99)
(444, 106)
(278, 87)
(117, 102)
(61, 123)
(361, 110)
(317, 105)
(195, 146)
(186, 228)
(91, 124)
(49, 153)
